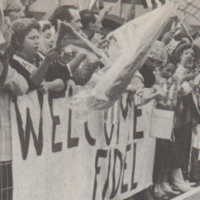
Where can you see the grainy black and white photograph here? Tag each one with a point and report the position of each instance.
(99, 99)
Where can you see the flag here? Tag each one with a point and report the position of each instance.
(83, 4)
(116, 10)
(96, 5)
(188, 12)
(137, 36)
(150, 3)
(131, 13)
(68, 35)
(92, 4)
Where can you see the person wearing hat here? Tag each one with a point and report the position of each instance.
(187, 54)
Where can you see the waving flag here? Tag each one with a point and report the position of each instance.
(137, 36)
(68, 35)
(131, 42)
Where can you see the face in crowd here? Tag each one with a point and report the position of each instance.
(68, 14)
(47, 37)
(25, 37)
(31, 43)
(167, 71)
(97, 25)
(76, 19)
(157, 56)
(187, 58)
(16, 14)
(153, 63)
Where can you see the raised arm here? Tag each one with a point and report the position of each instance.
(37, 77)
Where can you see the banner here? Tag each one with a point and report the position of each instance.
(59, 155)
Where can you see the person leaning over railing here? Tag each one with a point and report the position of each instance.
(25, 59)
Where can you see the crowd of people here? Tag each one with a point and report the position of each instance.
(30, 61)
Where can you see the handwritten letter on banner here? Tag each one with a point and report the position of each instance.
(56, 155)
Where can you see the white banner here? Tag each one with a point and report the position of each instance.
(56, 155)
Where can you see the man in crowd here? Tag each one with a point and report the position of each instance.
(71, 16)
(68, 14)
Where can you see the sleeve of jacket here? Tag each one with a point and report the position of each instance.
(15, 82)
(84, 72)
(3, 73)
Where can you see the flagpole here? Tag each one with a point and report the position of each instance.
(98, 5)
(120, 8)
(59, 3)
(181, 21)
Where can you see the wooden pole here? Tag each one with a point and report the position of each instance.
(120, 8)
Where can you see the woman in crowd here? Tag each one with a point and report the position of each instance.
(187, 114)
(173, 157)
(25, 43)
(165, 150)
(28, 62)
(31, 64)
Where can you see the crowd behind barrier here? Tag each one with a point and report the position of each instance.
(72, 154)
(95, 107)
